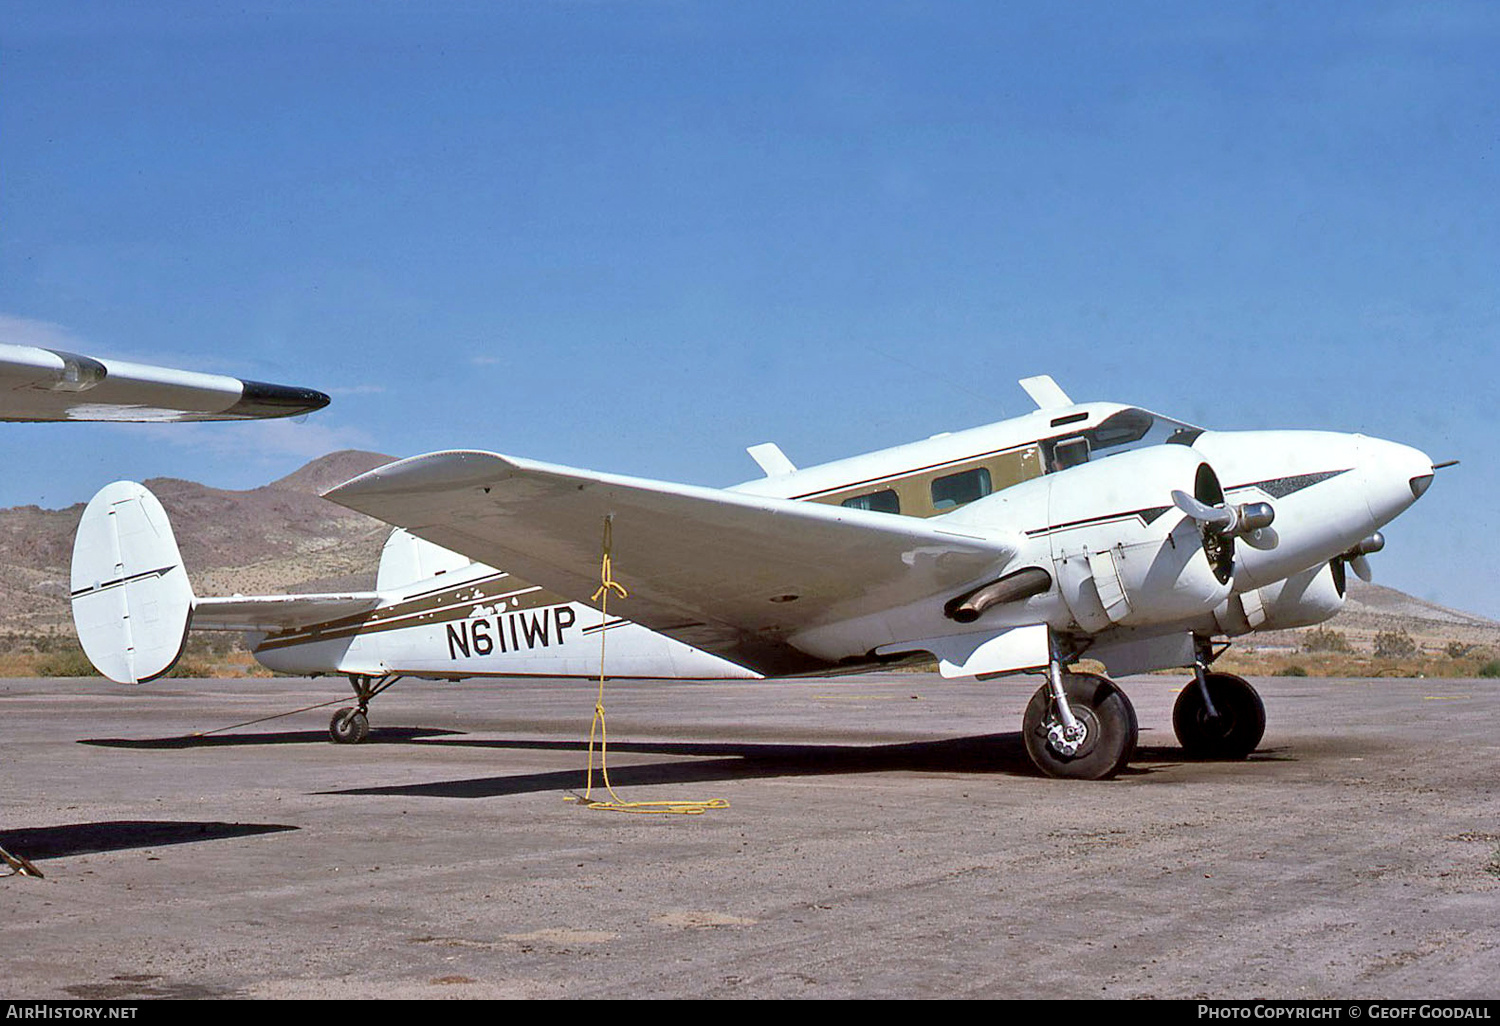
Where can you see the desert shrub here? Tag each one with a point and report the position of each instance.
(1457, 649)
(1396, 644)
(1325, 639)
(190, 668)
(1490, 669)
(69, 662)
(1290, 671)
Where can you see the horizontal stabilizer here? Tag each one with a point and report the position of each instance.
(131, 595)
(271, 613)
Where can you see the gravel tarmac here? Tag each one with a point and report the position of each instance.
(885, 837)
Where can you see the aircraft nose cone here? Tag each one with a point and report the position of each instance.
(1397, 475)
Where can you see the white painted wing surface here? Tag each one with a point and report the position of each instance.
(272, 613)
(46, 384)
(726, 572)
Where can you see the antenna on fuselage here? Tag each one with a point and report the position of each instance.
(1045, 392)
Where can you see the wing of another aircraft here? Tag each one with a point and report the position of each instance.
(726, 572)
(46, 384)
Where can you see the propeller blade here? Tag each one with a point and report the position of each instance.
(1262, 538)
(1361, 567)
(1201, 512)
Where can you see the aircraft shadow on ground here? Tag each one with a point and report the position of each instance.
(988, 754)
(707, 762)
(378, 735)
(57, 842)
(1173, 754)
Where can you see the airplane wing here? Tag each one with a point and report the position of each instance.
(46, 384)
(272, 613)
(726, 572)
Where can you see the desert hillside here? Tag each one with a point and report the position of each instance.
(280, 537)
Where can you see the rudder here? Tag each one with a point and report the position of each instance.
(132, 600)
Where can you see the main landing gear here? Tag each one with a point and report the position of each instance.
(1218, 716)
(349, 725)
(1082, 726)
(1078, 725)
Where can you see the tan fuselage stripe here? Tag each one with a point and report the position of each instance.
(455, 602)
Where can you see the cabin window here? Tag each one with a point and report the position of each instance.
(954, 490)
(883, 501)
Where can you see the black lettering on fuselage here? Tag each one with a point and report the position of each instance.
(483, 643)
(535, 628)
(458, 639)
(479, 637)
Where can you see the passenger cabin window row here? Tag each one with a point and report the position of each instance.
(925, 493)
(947, 492)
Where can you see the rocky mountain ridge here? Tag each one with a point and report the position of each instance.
(280, 537)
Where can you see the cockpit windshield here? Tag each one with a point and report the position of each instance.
(1119, 432)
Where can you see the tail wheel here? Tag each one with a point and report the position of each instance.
(1236, 726)
(1109, 724)
(349, 726)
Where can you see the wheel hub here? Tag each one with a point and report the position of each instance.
(1077, 741)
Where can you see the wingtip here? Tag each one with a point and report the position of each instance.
(260, 400)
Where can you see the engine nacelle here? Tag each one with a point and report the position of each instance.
(1122, 554)
(1297, 601)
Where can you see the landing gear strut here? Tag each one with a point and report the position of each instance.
(349, 725)
(1079, 725)
(1218, 715)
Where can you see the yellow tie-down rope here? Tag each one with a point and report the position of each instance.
(19, 865)
(608, 584)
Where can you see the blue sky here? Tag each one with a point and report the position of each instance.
(642, 236)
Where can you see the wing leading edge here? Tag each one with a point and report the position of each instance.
(734, 574)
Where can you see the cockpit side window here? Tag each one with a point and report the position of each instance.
(1069, 452)
(1121, 428)
(1119, 432)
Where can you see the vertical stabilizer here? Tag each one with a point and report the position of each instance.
(406, 560)
(131, 596)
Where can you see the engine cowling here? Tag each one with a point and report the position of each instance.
(1122, 554)
(1298, 601)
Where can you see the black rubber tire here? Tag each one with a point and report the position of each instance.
(349, 726)
(1106, 714)
(1233, 733)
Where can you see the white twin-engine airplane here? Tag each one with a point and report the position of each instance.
(1080, 530)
